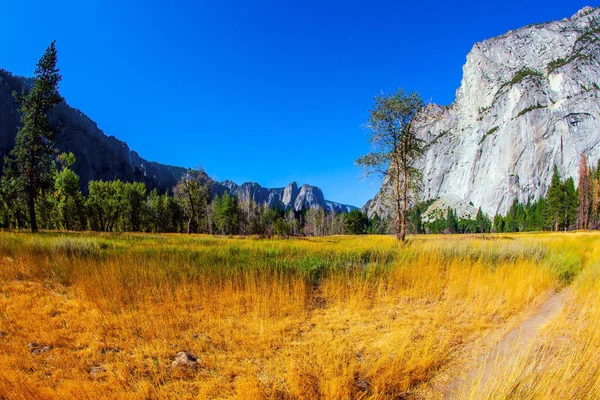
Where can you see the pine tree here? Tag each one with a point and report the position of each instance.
(452, 219)
(595, 202)
(570, 203)
(30, 165)
(554, 201)
(498, 223)
(584, 193)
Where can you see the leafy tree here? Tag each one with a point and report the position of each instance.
(355, 223)
(162, 212)
(12, 203)
(105, 204)
(395, 149)
(281, 227)
(134, 206)
(69, 200)
(267, 220)
(226, 214)
(193, 196)
(30, 165)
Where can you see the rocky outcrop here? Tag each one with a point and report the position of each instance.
(290, 197)
(439, 209)
(528, 100)
(107, 158)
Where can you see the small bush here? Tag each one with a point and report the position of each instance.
(488, 133)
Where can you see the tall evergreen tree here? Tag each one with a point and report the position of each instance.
(452, 221)
(482, 222)
(554, 201)
(30, 164)
(584, 193)
(595, 201)
(355, 223)
(570, 203)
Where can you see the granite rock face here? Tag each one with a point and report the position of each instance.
(98, 156)
(289, 198)
(439, 209)
(528, 100)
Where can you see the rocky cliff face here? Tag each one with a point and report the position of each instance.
(290, 197)
(98, 156)
(107, 158)
(528, 100)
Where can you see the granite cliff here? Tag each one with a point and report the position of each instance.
(289, 198)
(528, 100)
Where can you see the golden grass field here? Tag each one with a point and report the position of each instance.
(334, 317)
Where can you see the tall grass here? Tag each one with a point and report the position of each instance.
(563, 362)
(340, 317)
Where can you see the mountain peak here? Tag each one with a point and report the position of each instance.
(585, 11)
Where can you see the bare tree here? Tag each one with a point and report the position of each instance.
(395, 149)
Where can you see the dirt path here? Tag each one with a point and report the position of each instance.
(512, 346)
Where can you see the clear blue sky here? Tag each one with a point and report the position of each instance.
(265, 91)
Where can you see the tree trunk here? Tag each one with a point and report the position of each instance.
(32, 218)
(398, 209)
(404, 205)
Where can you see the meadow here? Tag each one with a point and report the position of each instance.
(102, 316)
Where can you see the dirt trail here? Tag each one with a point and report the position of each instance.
(512, 346)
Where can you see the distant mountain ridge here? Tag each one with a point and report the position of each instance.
(290, 197)
(102, 157)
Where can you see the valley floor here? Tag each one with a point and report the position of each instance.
(104, 316)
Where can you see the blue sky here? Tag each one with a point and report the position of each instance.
(263, 91)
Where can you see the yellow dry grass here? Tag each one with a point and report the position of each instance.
(563, 362)
(338, 317)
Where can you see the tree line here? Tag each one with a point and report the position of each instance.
(564, 207)
(191, 207)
